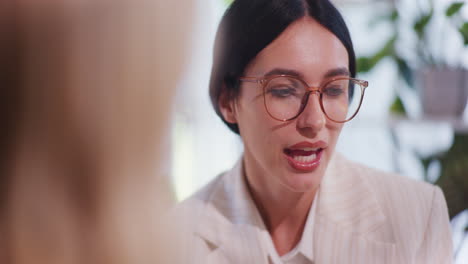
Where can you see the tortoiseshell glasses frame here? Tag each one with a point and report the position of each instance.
(265, 81)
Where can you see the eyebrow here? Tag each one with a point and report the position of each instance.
(330, 73)
(281, 71)
(337, 72)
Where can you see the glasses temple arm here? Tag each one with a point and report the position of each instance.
(249, 79)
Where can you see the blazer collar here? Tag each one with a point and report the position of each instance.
(350, 221)
(230, 221)
(347, 211)
(347, 200)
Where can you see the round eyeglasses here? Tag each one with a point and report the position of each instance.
(285, 97)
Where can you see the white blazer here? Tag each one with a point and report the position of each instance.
(363, 216)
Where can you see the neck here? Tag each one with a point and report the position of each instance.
(283, 211)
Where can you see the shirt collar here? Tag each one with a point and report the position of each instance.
(306, 244)
(247, 213)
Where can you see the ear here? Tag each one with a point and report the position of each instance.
(227, 106)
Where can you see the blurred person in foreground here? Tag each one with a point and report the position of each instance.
(283, 78)
(86, 91)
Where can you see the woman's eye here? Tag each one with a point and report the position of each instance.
(282, 92)
(333, 91)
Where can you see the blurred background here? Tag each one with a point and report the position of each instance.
(414, 120)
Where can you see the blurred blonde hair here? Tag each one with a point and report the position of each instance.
(87, 89)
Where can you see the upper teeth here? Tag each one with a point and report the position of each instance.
(305, 159)
(310, 149)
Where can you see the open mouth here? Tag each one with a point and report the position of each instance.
(303, 159)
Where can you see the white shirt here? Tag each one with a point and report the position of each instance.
(302, 253)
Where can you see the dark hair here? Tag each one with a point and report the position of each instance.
(248, 26)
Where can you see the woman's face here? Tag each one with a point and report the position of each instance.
(291, 154)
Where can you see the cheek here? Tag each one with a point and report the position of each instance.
(256, 125)
(251, 114)
(334, 130)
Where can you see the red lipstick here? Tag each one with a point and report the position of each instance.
(305, 156)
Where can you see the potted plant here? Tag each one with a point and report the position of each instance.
(442, 83)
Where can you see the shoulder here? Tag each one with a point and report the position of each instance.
(410, 205)
(189, 220)
(390, 189)
(392, 183)
(199, 201)
(398, 190)
(417, 213)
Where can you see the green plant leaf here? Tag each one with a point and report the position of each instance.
(453, 180)
(389, 17)
(404, 70)
(426, 162)
(365, 64)
(464, 32)
(228, 2)
(454, 8)
(394, 15)
(397, 107)
(420, 25)
(388, 49)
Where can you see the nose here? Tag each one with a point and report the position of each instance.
(312, 119)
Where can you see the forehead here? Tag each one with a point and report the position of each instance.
(306, 47)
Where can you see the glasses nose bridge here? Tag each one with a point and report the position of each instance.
(306, 99)
(313, 89)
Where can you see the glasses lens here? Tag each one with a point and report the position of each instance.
(283, 97)
(341, 99)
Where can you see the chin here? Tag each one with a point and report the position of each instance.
(302, 183)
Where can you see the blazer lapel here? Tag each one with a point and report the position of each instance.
(238, 246)
(234, 223)
(349, 224)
